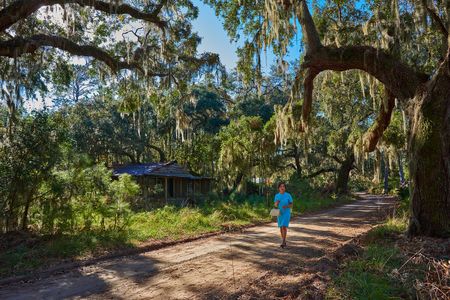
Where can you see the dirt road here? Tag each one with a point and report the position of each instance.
(210, 268)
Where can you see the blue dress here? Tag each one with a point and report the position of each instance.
(285, 213)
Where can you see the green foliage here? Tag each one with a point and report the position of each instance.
(85, 198)
(360, 183)
(172, 222)
(245, 149)
(254, 107)
(208, 112)
(28, 157)
(394, 134)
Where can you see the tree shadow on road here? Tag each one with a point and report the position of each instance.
(86, 281)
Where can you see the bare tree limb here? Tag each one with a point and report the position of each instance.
(18, 46)
(399, 78)
(371, 137)
(22, 9)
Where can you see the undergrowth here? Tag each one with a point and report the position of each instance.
(167, 223)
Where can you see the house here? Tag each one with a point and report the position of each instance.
(166, 183)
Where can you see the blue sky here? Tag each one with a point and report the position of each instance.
(215, 39)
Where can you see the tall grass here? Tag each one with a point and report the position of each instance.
(164, 223)
(169, 222)
(172, 222)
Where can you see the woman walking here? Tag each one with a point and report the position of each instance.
(283, 201)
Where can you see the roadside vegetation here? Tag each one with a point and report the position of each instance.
(22, 252)
(393, 266)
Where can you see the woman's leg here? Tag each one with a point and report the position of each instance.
(283, 234)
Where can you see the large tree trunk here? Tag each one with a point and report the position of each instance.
(429, 155)
(28, 199)
(429, 141)
(344, 174)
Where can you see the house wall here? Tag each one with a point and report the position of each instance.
(183, 189)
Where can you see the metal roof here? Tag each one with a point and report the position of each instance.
(170, 169)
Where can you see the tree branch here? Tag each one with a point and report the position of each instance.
(371, 137)
(399, 78)
(18, 46)
(22, 9)
(321, 171)
(309, 30)
(308, 84)
(162, 156)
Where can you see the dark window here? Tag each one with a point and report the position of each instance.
(170, 187)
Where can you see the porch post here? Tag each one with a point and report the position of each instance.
(165, 189)
(193, 190)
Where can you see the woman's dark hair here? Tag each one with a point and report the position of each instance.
(281, 183)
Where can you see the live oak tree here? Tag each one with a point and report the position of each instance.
(137, 51)
(405, 47)
(204, 114)
(246, 151)
(345, 115)
(149, 42)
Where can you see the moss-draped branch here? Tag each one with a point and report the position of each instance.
(18, 46)
(400, 79)
(371, 137)
(22, 9)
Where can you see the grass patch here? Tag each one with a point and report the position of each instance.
(369, 276)
(391, 227)
(169, 222)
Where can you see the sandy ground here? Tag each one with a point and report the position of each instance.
(212, 268)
